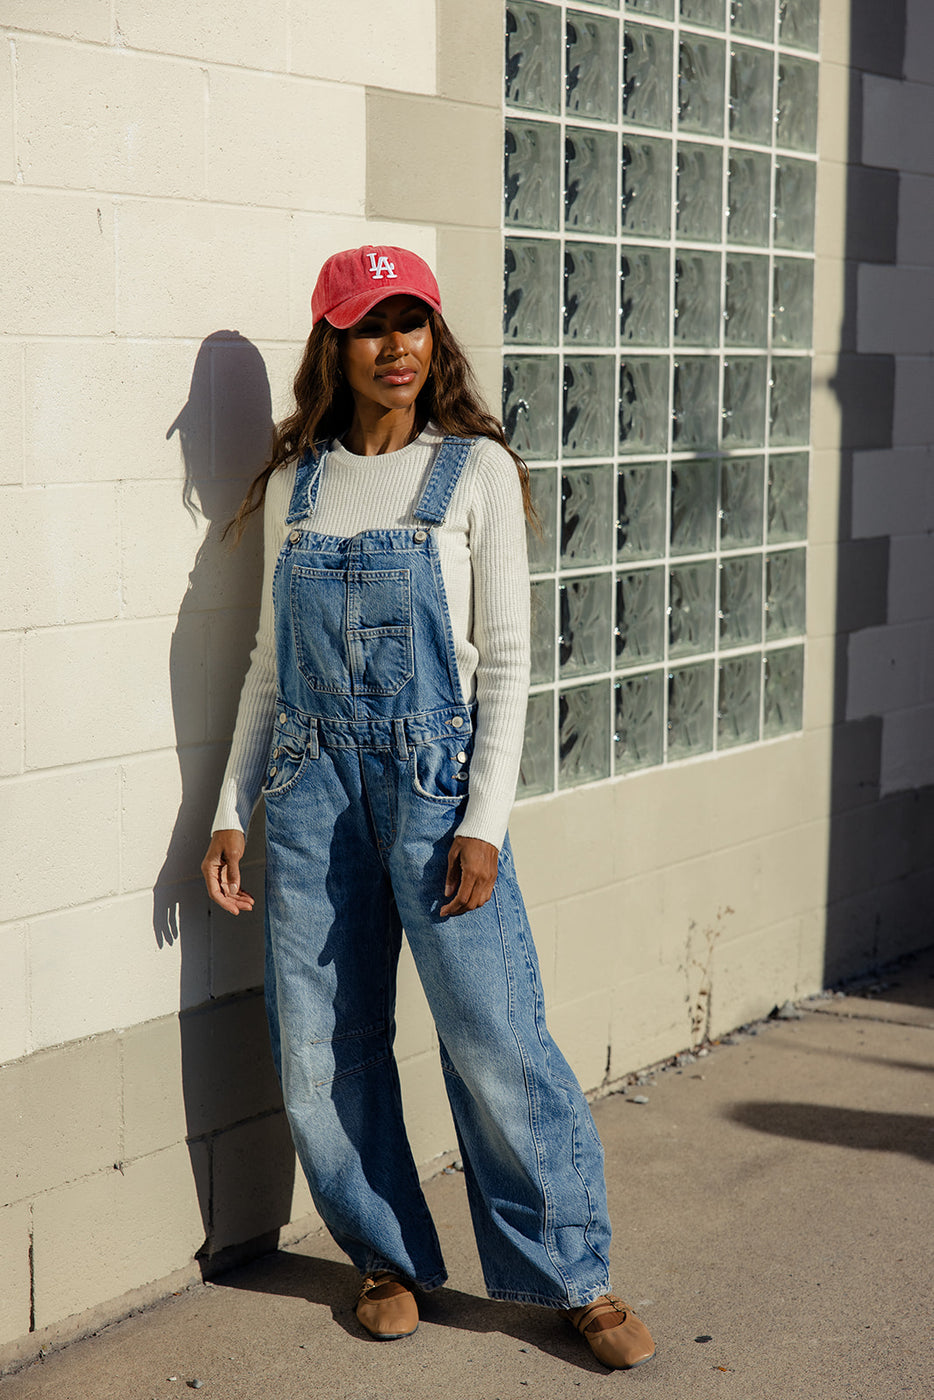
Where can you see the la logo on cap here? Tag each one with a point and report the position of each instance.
(381, 266)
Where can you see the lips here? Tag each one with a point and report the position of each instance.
(397, 376)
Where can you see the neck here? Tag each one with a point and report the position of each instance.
(373, 434)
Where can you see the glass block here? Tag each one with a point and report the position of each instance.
(662, 9)
(740, 684)
(586, 622)
(639, 732)
(647, 76)
(747, 300)
(583, 734)
(701, 79)
(788, 497)
(799, 23)
(793, 304)
(745, 384)
(694, 408)
(642, 512)
(797, 103)
(699, 211)
(749, 197)
(690, 710)
(589, 406)
(783, 701)
(590, 181)
(640, 617)
(751, 110)
(741, 601)
(753, 18)
(795, 193)
(644, 296)
(537, 768)
(711, 14)
(544, 631)
(590, 293)
(531, 290)
(785, 585)
(692, 608)
(697, 298)
(543, 549)
(532, 179)
(646, 190)
(533, 56)
(643, 405)
(693, 507)
(742, 495)
(530, 405)
(586, 516)
(790, 404)
(592, 66)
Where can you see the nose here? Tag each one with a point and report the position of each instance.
(395, 344)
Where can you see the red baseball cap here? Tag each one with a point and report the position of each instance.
(352, 282)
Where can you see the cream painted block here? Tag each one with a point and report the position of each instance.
(835, 31)
(544, 924)
(470, 273)
(101, 967)
(755, 974)
(160, 540)
(15, 1275)
(596, 938)
(34, 811)
(415, 1026)
(303, 1209)
(664, 815)
(819, 682)
(824, 524)
(14, 993)
(61, 1117)
(82, 397)
(11, 413)
(313, 239)
(488, 368)
(651, 1020)
(833, 111)
(470, 51)
(109, 119)
(167, 802)
(447, 168)
(116, 677)
(253, 1181)
(229, 643)
(59, 268)
(192, 269)
(428, 1121)
(237, 952)
(62, 555)
(582, 1031)
(227, 1066)
(225, 32)
(826, 410)
(381, 46)
(7, 121)
(153, 1087)
(270, 140)
(101, 1237)
(830, 217)
(78, 19)
(794, 870)
(830, 303)
(565, 844)
(822, 567)
(11, 703)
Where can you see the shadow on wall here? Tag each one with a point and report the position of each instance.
(881, 865)
(241, 1154)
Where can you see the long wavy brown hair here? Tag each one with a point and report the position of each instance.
(324, 408)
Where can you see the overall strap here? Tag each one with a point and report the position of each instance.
(307, 481)
(445, 475)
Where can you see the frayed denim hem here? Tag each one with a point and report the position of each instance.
(585, 1296)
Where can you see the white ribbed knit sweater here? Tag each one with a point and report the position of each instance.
(482, 551)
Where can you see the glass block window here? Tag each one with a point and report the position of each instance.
(660, 171)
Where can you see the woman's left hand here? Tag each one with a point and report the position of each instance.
(471, 875)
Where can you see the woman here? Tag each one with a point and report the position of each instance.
(382, 719)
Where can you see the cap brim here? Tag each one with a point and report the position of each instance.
(353, 310)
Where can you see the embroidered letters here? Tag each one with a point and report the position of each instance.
(381, 267)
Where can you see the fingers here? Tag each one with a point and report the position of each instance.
(221, 871)
(471, 875)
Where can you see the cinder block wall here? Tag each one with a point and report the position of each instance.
(170, 180)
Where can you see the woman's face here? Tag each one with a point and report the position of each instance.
(386, 356)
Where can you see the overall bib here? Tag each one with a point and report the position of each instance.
(366, 782)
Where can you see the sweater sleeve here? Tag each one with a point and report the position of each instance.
(246, 765)
(500, 633)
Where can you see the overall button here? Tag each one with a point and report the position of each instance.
(276, 752)
(456, 722)
(462, 757)
(273, 771)
(421, 536)
(283, 717)
(295, 536)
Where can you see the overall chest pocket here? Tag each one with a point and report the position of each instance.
(353, 629)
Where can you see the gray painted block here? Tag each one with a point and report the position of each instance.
(911, 578)
(897, 124)
(908, 749)
(913, 416)
(884, 670)
(893, 492)
(916, 219)
(894, 311)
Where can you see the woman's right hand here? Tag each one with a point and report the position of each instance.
(221, 871)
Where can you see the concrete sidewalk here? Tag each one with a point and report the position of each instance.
(773, 1203)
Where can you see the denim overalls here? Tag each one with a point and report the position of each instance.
(366, 780)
